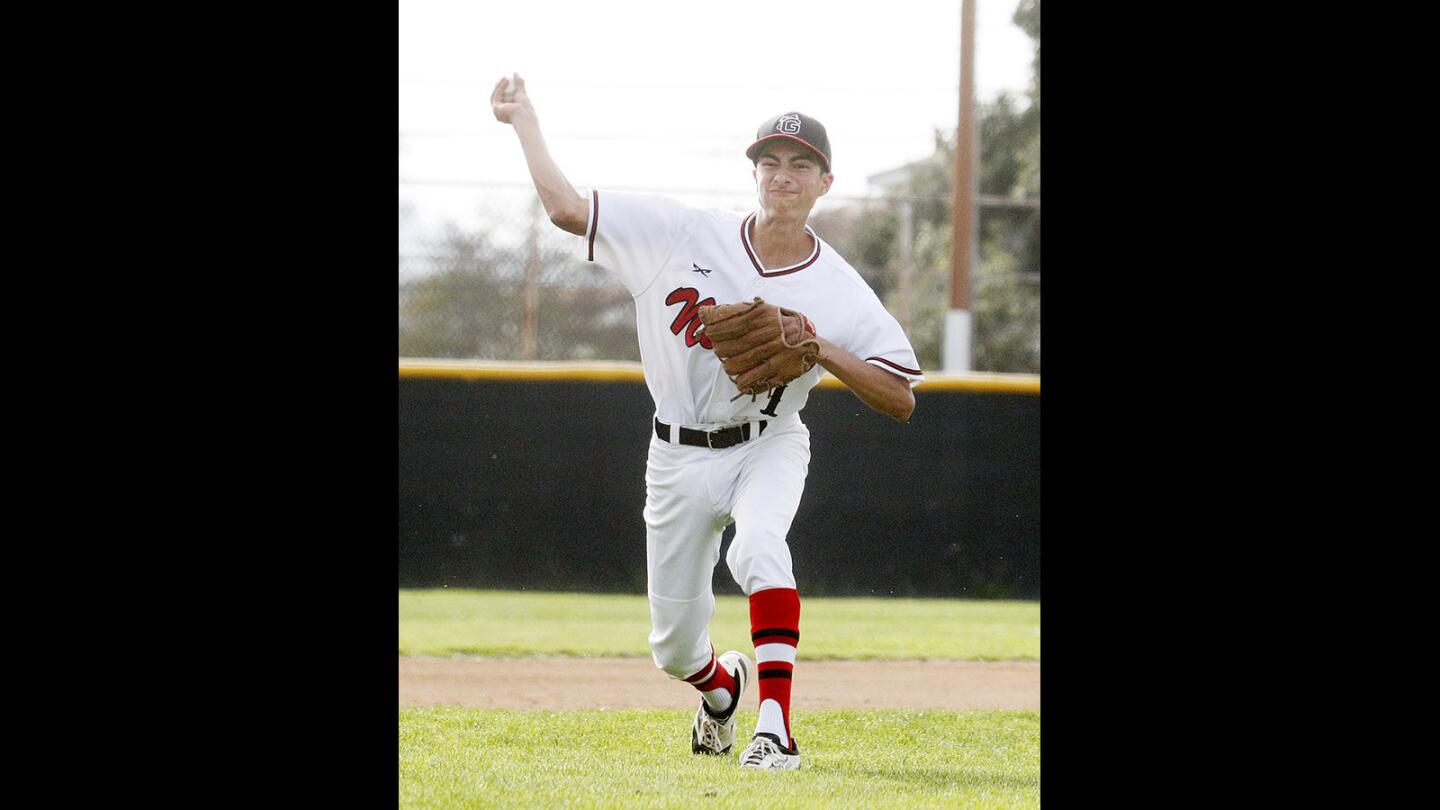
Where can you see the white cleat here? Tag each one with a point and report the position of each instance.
(766, 754)
(712, 734)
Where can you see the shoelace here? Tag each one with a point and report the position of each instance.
(757, 753)
(710, 735)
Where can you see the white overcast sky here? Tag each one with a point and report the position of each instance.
(665, 95)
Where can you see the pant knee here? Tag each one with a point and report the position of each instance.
(679, 659)
(679, 642)
(760, 562)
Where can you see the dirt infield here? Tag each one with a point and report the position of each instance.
(635, 683)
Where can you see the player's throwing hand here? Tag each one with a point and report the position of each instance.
(509, 97)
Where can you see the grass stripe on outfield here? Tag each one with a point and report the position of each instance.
(470, 622)
(452, 757)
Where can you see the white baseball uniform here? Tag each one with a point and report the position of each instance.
(674, 259)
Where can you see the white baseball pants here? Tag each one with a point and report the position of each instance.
(692, 494)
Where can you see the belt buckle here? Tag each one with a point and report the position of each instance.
(708, 437)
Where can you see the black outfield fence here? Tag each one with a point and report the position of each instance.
(533, 476)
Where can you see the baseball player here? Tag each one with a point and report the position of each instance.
(718, 456)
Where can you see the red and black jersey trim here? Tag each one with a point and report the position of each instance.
(745, 241)
(915, 371)
(594, 222)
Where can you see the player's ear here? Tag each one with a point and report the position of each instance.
(825, 181)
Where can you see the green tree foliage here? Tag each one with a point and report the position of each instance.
(1004, 284)
(459, 309)
(469, 303)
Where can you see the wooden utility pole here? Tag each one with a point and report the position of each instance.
(962, 210)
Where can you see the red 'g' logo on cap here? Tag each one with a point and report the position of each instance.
(789, 124)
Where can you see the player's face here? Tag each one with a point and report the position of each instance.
(790, 178)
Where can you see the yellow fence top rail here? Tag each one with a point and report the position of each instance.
(631, 372)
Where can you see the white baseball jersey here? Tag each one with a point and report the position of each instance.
(674, 259)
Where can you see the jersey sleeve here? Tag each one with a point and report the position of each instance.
(878, 339)
(632, 235)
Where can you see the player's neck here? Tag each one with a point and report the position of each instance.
(780, 241)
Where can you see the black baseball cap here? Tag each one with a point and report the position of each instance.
(796, 127)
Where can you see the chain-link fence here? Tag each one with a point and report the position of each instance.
(502, 283)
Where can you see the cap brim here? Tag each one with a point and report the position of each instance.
(753, 150)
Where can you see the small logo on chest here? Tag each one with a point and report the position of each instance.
(702, 270)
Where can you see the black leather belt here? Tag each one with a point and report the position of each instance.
(715, 439)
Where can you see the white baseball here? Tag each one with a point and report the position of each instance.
(510, 88)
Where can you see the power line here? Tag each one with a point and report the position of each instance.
(988, 200)
(625, 136)
(888, 89)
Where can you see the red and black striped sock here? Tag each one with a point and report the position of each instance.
(716, 685)
(775, 631)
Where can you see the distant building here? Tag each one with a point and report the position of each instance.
(892, 179)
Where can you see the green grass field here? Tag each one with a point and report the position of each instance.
(470, 622)
(451, 757)
(460, 757)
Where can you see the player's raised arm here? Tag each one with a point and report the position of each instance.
(511, 105)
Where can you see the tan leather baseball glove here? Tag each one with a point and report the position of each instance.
(762, 346)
